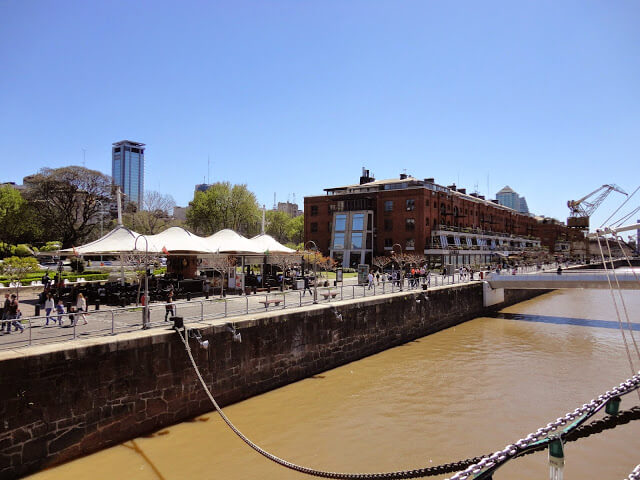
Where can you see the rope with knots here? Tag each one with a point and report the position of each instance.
(574, 432)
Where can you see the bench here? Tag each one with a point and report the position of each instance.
(274, 301)
(327, 294)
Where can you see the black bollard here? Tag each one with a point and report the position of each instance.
(98, 304)
(188, 296)
(37, 312)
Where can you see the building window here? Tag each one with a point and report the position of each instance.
(358, 221)
(341, 223)
(388, 224)
(314, 210)
(356, 240)
(411, 204)
(314, 227)
(426, 222)
(338, 241)
(388, 243)
(435, 204)
(388, 206)
(410, 223)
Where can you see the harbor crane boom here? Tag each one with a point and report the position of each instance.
(581, 210)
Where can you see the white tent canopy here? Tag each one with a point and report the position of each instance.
(118, 240)
(179, 240)
(228, 241)
(266, 243)
(176, 239)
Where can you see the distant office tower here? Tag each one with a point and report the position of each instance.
(127, 167)
(509, 198)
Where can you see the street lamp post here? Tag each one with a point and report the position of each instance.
(145, 308)
(399, 264)
(315, 275)
(101, 221)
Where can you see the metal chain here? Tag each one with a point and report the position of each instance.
(635, 474)
(472, 463)
(514, 449)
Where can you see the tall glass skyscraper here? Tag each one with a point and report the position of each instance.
(127, 167)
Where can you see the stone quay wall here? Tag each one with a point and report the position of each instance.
(62, 402)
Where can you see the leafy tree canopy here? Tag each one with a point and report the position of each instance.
(68, 201)
(224, 206)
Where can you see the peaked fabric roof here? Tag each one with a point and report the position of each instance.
(176, 239)
(120, 239)
(267, 243)
(228, 241)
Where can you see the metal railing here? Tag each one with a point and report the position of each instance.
(44, 330)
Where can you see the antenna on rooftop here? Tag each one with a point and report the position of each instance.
(274, 200)
(84, 157)
(208, 168)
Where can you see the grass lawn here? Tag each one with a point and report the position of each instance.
(332, 275)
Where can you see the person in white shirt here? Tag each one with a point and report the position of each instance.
(49, 305)
(81, 307)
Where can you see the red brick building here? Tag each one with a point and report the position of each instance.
(356, 222)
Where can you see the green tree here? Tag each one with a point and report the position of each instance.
(277, 225)
(224, 206)
(18, 221)
(67, 201)
(17, 267)
(295, 229)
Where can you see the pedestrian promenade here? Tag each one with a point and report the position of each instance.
(107, 321)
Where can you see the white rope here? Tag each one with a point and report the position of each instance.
(617, 209)
(615, 305)
(620, 293)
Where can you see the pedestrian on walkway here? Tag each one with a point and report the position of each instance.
(370, 279)
(5, 313)
(14, 315)
(169, 307)
(306, 286)
(49, 305)
(81, 308)
(60, 311)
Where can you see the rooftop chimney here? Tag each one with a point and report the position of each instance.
(366, 177)
(452, 187)
(429, 180)
(403, 176)
(463, 190)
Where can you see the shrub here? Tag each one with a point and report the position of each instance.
(77, 264)
(22, 251)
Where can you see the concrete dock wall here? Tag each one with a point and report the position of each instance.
(61, 402)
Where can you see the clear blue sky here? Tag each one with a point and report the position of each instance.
(295, 96)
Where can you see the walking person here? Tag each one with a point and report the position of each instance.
(60, 311)
(49, 305)
(370, 280)
(306, 286)
(14, 315)
(169, 307)
(5, 313)
(81, 308)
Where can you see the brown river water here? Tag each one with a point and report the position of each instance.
(459, 393)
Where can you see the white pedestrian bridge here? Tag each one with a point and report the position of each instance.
(567, 279)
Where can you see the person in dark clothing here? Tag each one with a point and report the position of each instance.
(306, 286)
(5, 313)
